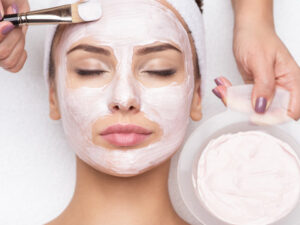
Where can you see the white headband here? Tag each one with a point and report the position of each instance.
(189, 11)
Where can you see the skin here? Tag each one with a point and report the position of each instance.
(12, 44)
(223, 84)
(100, 198)
(261, 56)
(141, 63)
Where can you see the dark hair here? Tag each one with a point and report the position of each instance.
(200, 5)
(59, 30)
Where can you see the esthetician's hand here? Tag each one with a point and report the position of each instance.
(262, 58)
(12, 39)
(275, 114)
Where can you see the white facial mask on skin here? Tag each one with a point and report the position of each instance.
(124, 26)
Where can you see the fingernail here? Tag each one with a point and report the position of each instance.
(218, 81)
(217, 93)
(261, 105)
(8, 29)
(1, 17)
(15, 8)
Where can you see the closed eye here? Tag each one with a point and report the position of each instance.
(82, 72)
(163, 73)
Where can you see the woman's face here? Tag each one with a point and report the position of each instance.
(125, 86)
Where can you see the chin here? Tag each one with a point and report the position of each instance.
(129, 171)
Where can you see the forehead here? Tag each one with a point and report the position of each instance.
(131, 22)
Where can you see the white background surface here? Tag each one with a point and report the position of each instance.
(37, 169)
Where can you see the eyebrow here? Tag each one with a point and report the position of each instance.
(157, 48)
(90, 48)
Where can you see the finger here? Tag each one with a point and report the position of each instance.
(1, 10)
(294, 105)
(24, 29)
(294, 108)
(24, 7)
(221, 92)
(9, 43)
(13, 9)
(20, 64)
(264, 84)
(246, 76)
(223, 81)
(12, 60)
(217, 93)
(5, 28)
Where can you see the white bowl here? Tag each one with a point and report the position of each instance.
(224, 123)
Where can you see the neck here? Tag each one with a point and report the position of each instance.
(103, 199)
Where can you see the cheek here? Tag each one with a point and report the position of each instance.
(168, 106)
(84, 106)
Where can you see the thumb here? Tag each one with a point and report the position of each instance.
(1, 10)
(264, 84)
(24, 7)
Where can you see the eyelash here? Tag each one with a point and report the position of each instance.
(163, 73)
(89, 72)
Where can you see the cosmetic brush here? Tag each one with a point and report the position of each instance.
(82, 11)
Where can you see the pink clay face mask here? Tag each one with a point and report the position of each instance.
(124, 26)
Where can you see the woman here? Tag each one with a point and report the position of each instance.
(125, 88)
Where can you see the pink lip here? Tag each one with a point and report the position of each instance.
(125, 135)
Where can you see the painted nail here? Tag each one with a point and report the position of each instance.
(218, 81)
(7, 29)
(15, 8)
(261, 105)
(217, 93)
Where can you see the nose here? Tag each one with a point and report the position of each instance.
(125, 93)
(125, 96)
(130, 106)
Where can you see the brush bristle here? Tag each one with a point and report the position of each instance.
(75, 15)
(86, 11)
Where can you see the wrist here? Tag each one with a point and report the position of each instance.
(253, 13)
(253, 21)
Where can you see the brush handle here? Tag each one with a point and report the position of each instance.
(13, 18)
(57, 15)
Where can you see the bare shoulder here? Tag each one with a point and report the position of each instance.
(54, 222)
(62, 220)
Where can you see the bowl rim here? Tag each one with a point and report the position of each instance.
(214, 127)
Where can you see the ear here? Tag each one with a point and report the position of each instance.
(53, 102)
(196, 107)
